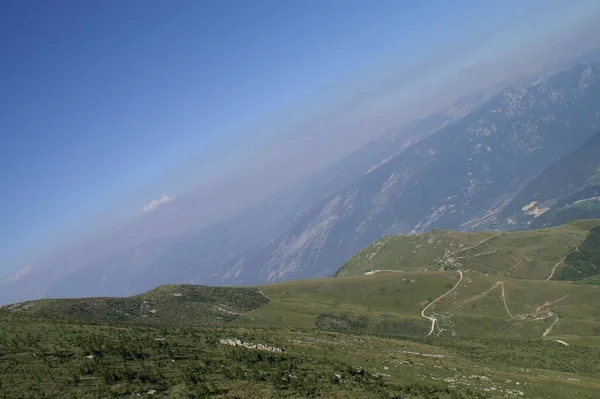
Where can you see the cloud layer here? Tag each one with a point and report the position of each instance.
(157, 202)
(23, 273)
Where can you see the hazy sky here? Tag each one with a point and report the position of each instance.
(112, 109)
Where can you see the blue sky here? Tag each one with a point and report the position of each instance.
(99, 99)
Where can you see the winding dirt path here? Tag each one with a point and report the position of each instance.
(505, 304)
(370, 273)
(554, 269)
(549, 329)
(478, 244)
(476, 297)
(431, 318)
(548, 304)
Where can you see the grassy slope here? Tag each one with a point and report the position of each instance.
(393, 300)
(165, 305)
(329, 327)
(522, 254)
(490, 353)
(595, 280)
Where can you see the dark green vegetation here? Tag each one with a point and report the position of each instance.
(49, 358)
(165, 305)
(585, 261)
(351, 337)
(46, 358)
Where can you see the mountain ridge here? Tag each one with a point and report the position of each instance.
(220, 247)
(303, 250)
(568, 189)
(447, 179)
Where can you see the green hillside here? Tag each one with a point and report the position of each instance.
(59, 359)
(351, 337)
(529, 254)
(494, 323)
(385, 303)
(389, 303)
(165, 305)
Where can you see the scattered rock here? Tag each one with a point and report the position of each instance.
(249, 345)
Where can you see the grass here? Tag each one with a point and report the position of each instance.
(594, 280)
(49, 358)
(521, 254)
(165, 305)
(499, 332)
(389, 304)
(395, 300)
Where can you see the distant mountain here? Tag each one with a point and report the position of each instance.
(197, 257)
(569, 189)
(181, 257)
(451, 179)
(434, 172)
(396, 140)
(390, 144)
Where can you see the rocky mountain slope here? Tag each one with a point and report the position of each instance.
(451, 179)
(195, 257)
(455, 169)
(569, 189)
(167, 259)
(392, 143)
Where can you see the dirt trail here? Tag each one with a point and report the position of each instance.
(384, 270)
(476, 297)
(554, 269)
(263, 294)
(549, 329)
(533, 315)
(544, 307)
(548, 304)
(505, 304)
(478, 244)
(431, 318)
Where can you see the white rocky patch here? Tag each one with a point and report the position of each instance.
(249, 345)
(532, 209)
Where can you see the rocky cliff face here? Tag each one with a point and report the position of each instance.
(219, 253)
(455, 178)
(567, 190)
(456, 169)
